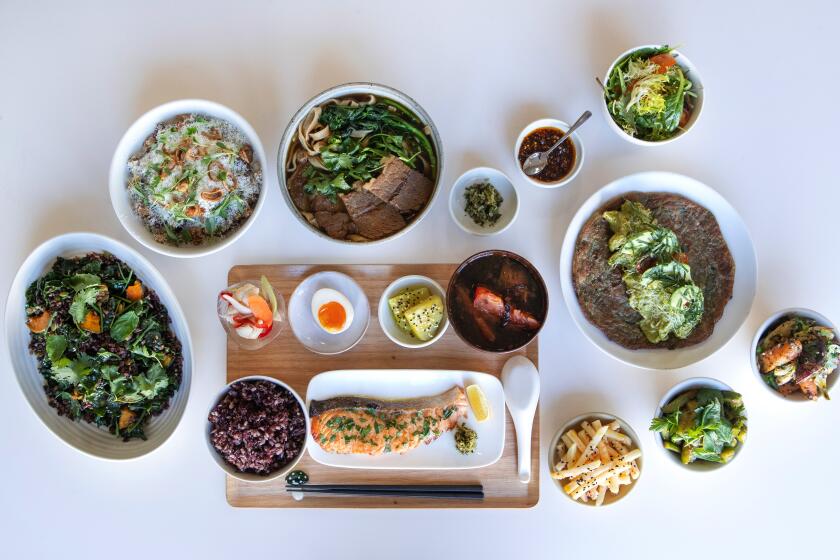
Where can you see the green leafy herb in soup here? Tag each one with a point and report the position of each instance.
(704, 424)
(655, 273)
(360, 138)
(648, 94)
(798, 355)
(194, 181)
(103, 344)
(483, 202)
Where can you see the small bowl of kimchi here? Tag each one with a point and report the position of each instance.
(251, 312)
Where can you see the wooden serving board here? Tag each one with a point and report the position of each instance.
(288, 360)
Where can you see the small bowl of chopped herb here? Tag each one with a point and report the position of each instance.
(483, 201)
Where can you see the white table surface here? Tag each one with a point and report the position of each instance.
(74, 76)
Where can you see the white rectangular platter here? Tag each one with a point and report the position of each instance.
(405, 384)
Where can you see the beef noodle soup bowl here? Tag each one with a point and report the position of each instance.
(360, 163)
(497, 301)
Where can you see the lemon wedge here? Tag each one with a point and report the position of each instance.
(478, 403)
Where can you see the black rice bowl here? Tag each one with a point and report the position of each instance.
(258, 427)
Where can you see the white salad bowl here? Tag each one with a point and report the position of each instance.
(509, 209)
(605, 418)
(691, 74)
(693, 383)
(252, 477)
(575, 138)
(386, 318)
(132, 142)
(83, 436)
(772, 322)
(366, 89)
(737, 238)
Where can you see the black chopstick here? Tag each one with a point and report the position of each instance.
(452, 491)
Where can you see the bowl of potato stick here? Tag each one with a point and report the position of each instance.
(595, 459)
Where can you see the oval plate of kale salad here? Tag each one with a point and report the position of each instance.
(99, 345)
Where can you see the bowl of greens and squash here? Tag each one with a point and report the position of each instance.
(99, 345)
(700, 424)
(652, 95)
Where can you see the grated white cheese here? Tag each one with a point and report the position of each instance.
(190, 156)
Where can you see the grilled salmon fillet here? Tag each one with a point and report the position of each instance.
(362, 425)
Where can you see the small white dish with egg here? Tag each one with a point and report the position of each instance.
(329, 312)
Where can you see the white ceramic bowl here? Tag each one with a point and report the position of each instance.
(132, 142)
(83, 436)
(771, 323)
(309, 333)
(509, 208)
(386, 318)
(605, 419)
(737, 238)
(251, 477)
(682, 386)
(697, 87)
(357, 88)
(575, 138)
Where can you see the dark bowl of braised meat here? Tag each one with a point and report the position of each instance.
(497, 301)
(257, 428)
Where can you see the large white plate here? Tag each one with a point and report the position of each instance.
(737, 238)
(406, 384)
(84, 436)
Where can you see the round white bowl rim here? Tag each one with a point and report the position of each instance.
(670, 394)
(479, 231)
(625, 426)
(696, 79)
(161, 287)
(382, 309)
(351, 88)
(134, 136)
(250, 477)
(732, 228)
(791, 311)
(553, 123)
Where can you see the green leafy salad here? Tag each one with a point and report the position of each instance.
(360, 138)
(704, 424)
(103, 344)
(655, 273)
(648, 94)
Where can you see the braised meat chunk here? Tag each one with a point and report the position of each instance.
(336, 224)
(374, 218)
(401, 186)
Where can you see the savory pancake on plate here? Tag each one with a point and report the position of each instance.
(653, 270)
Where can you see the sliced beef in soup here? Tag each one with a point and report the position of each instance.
(374, 218)
(296, 183)
(401, 186)
(321, 203)
(336, 224)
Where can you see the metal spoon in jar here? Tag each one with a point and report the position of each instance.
(537, 161)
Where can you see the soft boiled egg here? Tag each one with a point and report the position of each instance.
(332, 310)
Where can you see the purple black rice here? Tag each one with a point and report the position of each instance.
(258, 427)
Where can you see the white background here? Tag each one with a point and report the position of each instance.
(74, 76)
